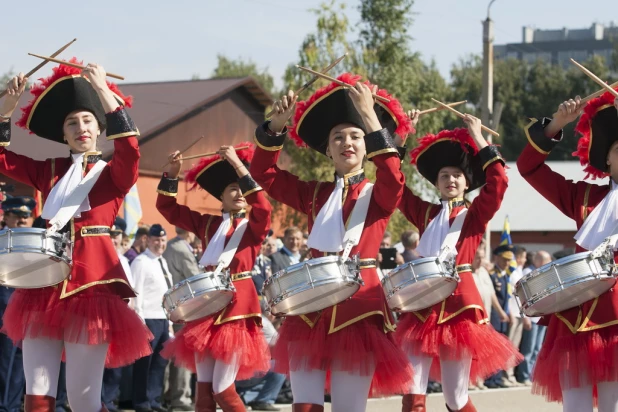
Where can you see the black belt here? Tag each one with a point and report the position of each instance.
(368, 263)
(463, 268)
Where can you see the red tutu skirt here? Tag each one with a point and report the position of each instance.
(94, 317)
(569, 360)
(356, 349)
(239, 338)
(455, 339)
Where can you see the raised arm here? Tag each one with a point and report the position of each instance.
(18, 167)
(543, 136)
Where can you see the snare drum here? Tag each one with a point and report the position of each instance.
(419, 284)
(31, 259)
(312, 285)
(198, 296)
(565, 283)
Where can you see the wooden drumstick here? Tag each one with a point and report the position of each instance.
(213, 153)
(594, 77)
(57, 52)
(437, 109)
(339, 82)
(313, 80)
(598, 93)
(77, 66)
(485, 128)
(185, 149)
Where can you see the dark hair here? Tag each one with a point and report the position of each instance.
(142, 231)
(291, 230)
(519, 250)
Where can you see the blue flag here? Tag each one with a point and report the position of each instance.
(132, 211)
(505, 239)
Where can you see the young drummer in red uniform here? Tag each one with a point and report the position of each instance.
(578, 362)
(228, 345)
(350, 343)
(85, 316)
(451, 340)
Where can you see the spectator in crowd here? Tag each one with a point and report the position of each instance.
(387, 244)
(409, 240)
(532, 339)
(17, 214)
(152, 279)
(518, 323)
(500, 279)
(181, 260)
(125, 244)
(198, 250)
(139, 245)
(262, 269)
(488, 294)
(305, 252)
(112, 377)
(270, 246)
(290, 252)
(268, 386)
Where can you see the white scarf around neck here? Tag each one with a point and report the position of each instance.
(432, 240)
(602, 222)
(328, 229)
(64, 188)
(217, 243)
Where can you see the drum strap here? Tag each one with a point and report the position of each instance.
(231, 247)
(449, 245)
(357, 221)
(71, 204)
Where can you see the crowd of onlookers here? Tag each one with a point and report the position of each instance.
(154, 264)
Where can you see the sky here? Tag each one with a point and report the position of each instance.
(158, 41)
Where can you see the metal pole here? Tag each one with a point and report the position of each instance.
(487, 102)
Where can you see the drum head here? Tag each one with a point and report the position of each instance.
(422, 294)
(32, 270)
(570, 297)
(319, 297)
(201, 306)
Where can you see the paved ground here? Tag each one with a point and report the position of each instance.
(498, 400)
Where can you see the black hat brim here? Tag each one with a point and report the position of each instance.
(216, 176)
(63, 97)
(603, 133)
(447, 152)
(332, 109)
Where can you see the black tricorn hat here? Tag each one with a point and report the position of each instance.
(449, 148)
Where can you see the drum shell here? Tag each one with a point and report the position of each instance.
(419, 284)
(312, 285)
(565, 283)
(30, 259)
(198, 296)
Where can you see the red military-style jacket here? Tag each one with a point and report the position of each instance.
(310, 197)
(245, 303)
(95, 261)
(576, 200)
(466, 298)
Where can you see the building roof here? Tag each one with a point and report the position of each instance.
(529, 211)
(156, 105)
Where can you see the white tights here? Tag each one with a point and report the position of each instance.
(221, 374)
(84, 367)
(580, 399)
(455, 379)
(349, 392)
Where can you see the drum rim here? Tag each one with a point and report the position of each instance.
(183, 282)
(300, 265)
(412, 263)
(176, 304)
(549, 291)
(454, 277)
(388, 301)
(558, 262)
(353, 282)
(33, 230)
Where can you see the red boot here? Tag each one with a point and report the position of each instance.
(413, 403)
(204, 399)
(467, 408)
(40, 403)
(307, 407)
(229, 400)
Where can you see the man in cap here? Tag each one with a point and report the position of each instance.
(152, 279)
(17, 214)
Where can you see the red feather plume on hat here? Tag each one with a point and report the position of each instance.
(58, 73)
(584, 128)
(404, 125)
(460, 135)
(244, 155)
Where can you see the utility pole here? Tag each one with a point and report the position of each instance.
(488, 93)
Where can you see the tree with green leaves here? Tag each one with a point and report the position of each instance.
(227, 68)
